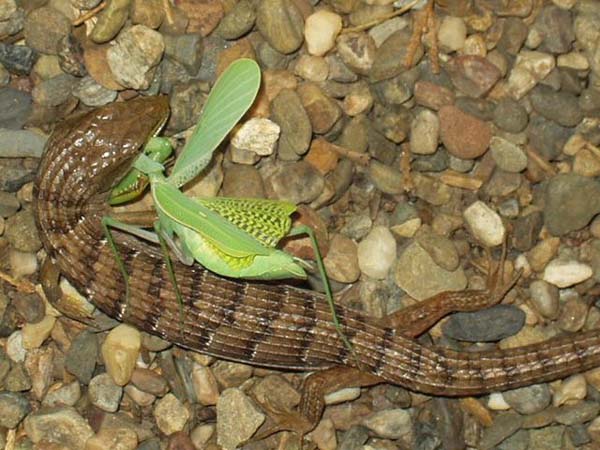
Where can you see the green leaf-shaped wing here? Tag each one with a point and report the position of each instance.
(231, 96)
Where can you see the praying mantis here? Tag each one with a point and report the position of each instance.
(230, 236)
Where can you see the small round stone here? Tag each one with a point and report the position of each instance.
(320, 31)
(377, 252)
(485, 224)
(565, 273)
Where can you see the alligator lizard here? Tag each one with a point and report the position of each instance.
(256, 323)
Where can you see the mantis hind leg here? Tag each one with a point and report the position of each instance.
(303, 229)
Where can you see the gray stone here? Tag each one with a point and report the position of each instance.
(488, 325)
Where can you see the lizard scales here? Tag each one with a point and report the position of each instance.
(255, 323)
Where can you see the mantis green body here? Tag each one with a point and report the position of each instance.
(232, 237)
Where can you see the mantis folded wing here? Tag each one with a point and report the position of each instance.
(232, 237)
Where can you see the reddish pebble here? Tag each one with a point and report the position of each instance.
(463, 135)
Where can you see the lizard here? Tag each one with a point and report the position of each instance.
(263, 324)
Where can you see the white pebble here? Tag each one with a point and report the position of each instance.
(424, 133)
(452, 33)
(573, 388)
(34, 334)
(496, 402)
(320, 30)
(22, 263)
(14, 347)
(377, 253)
(565, 273)
(257, 135)
(341, 396)
(485, 224)
(120, 351)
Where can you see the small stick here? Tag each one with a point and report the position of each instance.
(22, 285)
(366, 26)
(359, 158)
(88, 15)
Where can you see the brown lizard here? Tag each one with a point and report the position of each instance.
(262, 324)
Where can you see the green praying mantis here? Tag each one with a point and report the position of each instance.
(232, 237)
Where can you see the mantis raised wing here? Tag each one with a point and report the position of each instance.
(232, 237)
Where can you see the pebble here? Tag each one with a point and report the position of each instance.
(560, 107)
(341, 262)
(243, 181)
(324, 435)
(510, 116)
(14, 347)
(92, 93)
(557, 29)
(504, 425)
(80, 359)
(147, 13)
(529, 399)
(202, 434)
(547, 137)
(380, 32)
(13, 408)
(452, 33)
(358, 101)
(377, 252)
(432, 96)
(21, 232)
(573, 388)
(280, 22)
(18, 59)
(496, 402)
(120, 351)
(9, 204)
(239, 21)
(485, 224)
(586, 163)
(34, 334)
(134, 55)
(577, 413)
(149, 381)
(473, 75)
(574, 312)
(61, 425)
(17, 379)
(185, 49)
(544, 297)
(170, 414)
(113, 438)
(15, 107)
(39, 364)
(110, 21)
(104, 393)
(44, 28)
(463, 135)
(390, 56)
(312, 68)
(415, 265)
(323, 112)
(297, 182)
(508, 156)
(141, 398)
(357, 51)
(488, 325)
(65, 395)
(238, 418)
(529, 68)
(549, 438)
(296, 129)
(425, 133)
(514, 34)
(320, 31)
(565, 273)
(257, 135)
(390, 423)
(440, 248)
(205, 385)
